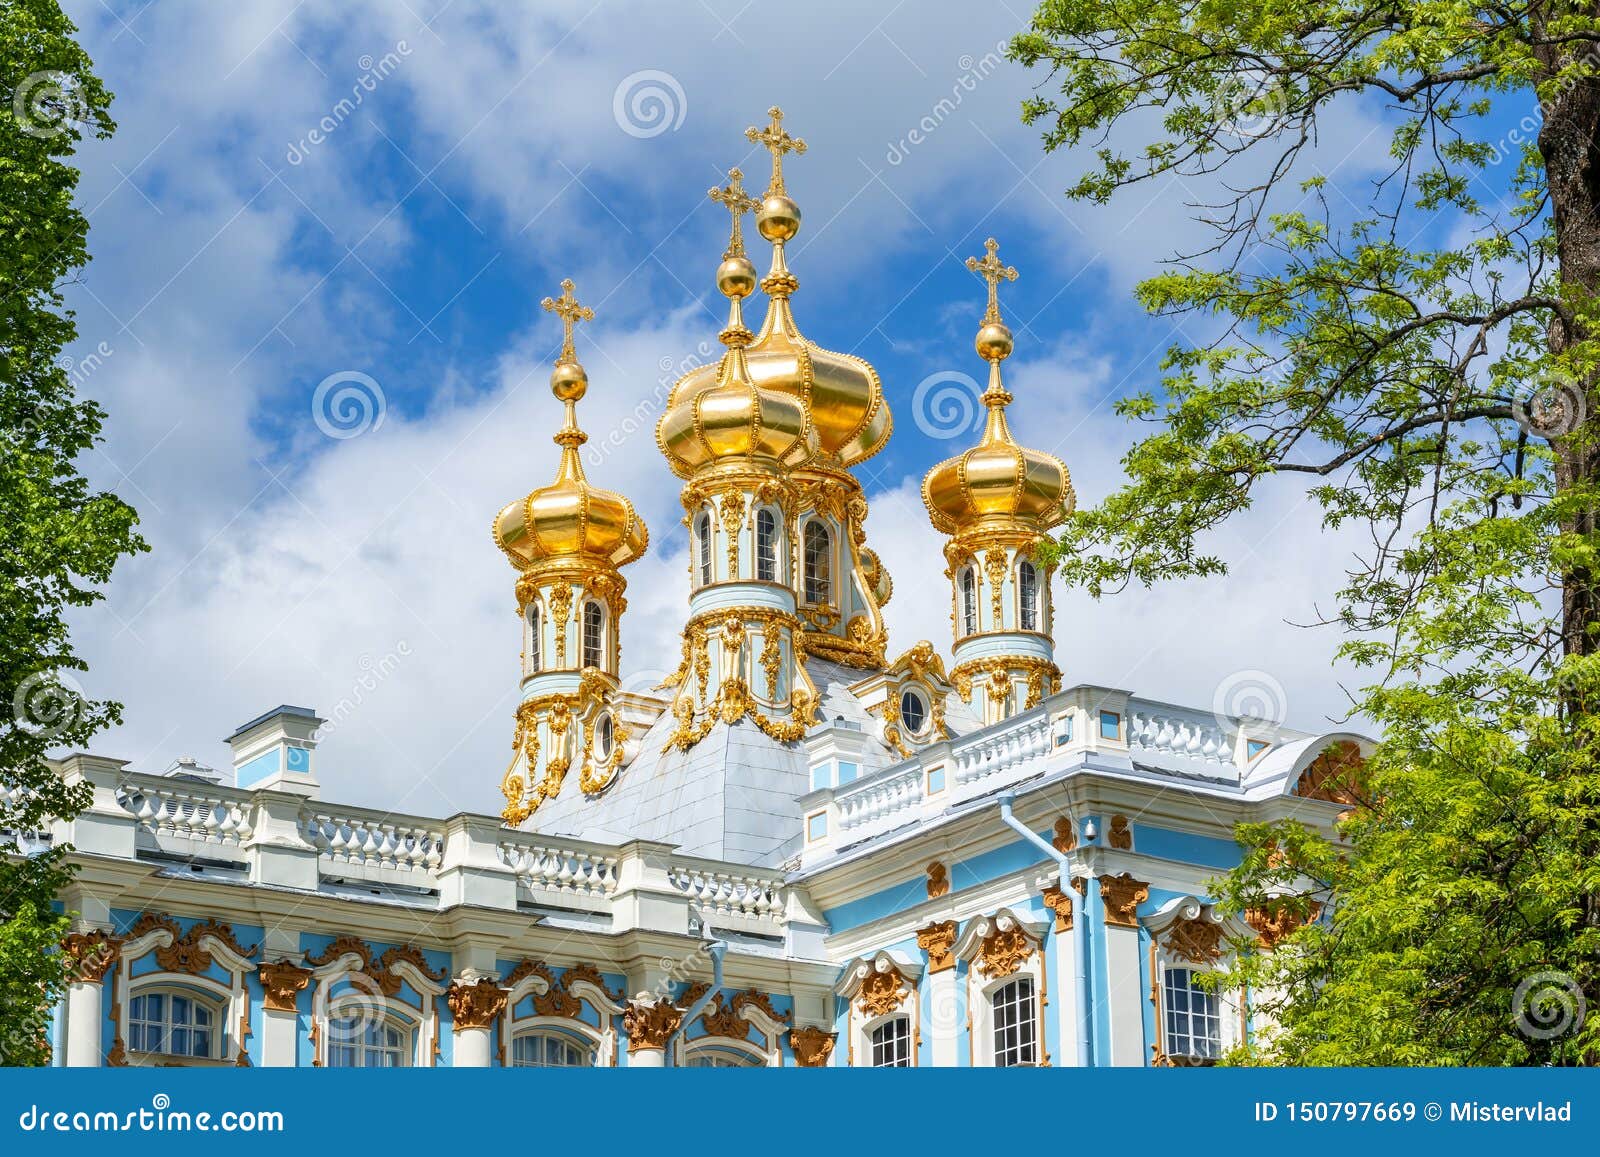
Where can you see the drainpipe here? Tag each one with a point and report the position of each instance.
(1080, 923)
(716, 948)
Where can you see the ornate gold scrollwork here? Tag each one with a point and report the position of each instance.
(811, 1046)
(938, 940)
(1121, 897)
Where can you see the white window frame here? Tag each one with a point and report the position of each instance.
(827, 556)
(600, 635)
(706, 555)
(1029, 608)
(235, 995)
(1164, 956)
(860, 1026)
(601, 1041)
(967, 582)
(199, 991)
(582, 1043)
(926, 699)
(908, 1037)
(776, 557)
(981, 988)
(535, 620)
(362, 1011)
(348, 967)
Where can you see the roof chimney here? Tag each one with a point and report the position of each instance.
(274, 751)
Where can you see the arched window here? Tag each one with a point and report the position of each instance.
(594, 624)
(174, 1024)
(702, 536)
(1015, 1024)
(536, 642)
(819, 564)
(969, 602)
(549, 1050)
(1193, 1015)
(913, 712)
(710, 1058)
(766, 547)
(1027, 596)
(891, 1044)
(363, 1041)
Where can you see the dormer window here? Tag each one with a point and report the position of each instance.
(913, 711)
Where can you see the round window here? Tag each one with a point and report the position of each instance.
(605, 735)
(913, 711)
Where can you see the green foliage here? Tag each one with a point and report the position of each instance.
(1418, 354)
(58, 539)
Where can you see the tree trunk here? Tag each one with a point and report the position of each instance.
(1569, 141)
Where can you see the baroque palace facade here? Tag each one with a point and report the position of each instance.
(800, 850)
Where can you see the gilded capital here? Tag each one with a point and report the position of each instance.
(1121, 896)
(938, 940)
(91, 955)
(475, 1005)
(812, 1046)
(649, 1023)
(281, 984)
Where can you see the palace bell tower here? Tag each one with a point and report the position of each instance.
(998, 502)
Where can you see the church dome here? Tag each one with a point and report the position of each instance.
(998, 483)
(570, 517)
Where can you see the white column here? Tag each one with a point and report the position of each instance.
(944, 1006)
(280, 1036)
(85, 1016)
(1125, 996)
(643, 1058)
(472, 1048)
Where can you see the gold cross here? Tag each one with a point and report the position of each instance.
(738, 203)
(567, 308)
(777, 143)
(992, 271)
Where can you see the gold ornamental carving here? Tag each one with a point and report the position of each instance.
(998, 671)
(938, 880)
(475, 1005)
(1063, 905)
(650, 1023)
(1121, 896)
(1334, 776)
(882, 992)
(377, 971)
(811, 1046)
(994, 564)
(1198, 941)
(1273, 924)
(281, 984)
(560, 614)
(1004, 951)
(938, 940)
(1121, 834)
(732, 512)
(90, 955)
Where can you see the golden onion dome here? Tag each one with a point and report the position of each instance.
(716, 414)
(842, 392)
(570, 517)
(998, 482)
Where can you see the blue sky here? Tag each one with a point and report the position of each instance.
(494, 150)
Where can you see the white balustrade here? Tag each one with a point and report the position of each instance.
(566, 869)
(168, 808)
(374, 840)
(1187, 738)
(717, 891)
(880, 796)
